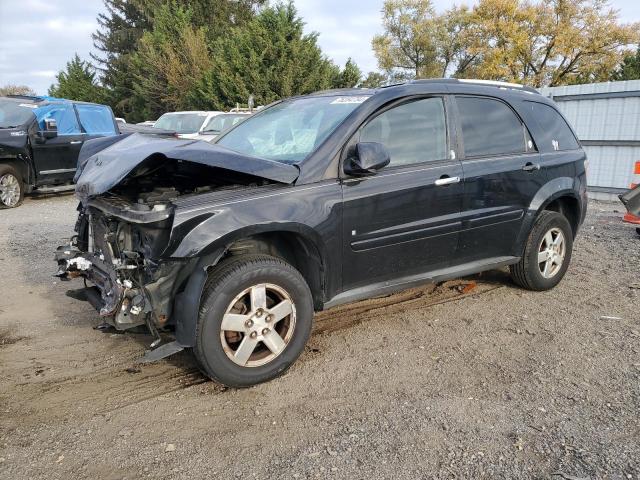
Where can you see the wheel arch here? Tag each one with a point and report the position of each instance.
(293, 243)
(560, 195)
(566, 203)
(24, 168)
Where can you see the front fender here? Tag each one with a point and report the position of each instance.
(187, 303)
(207, 237)
(311, 211)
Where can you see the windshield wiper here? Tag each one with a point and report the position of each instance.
(10, 126)
(210, 131)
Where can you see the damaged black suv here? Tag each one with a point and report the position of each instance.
(317, 201)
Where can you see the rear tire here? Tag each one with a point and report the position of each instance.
(11, 187)
(547, 253)
(255, 319)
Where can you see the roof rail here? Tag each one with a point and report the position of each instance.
(499, 84)
(489, 83)
(35, 98)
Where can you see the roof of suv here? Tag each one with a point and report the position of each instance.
(513, 87)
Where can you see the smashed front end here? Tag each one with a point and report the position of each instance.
(125, 241)
(117, 251)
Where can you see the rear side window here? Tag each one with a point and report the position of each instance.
(96, 119)
(490, 127)
(413, 132)
(555, 132)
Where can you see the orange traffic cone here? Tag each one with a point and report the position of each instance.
(627, 216)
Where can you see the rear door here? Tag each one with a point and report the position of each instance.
(502, 173)
(96, 121)
(405, 219)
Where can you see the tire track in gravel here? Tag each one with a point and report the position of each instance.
(102, 389)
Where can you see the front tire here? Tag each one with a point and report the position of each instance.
(547, 253)
(11, 187)
(255, 319)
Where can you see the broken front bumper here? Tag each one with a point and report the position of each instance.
(116, 298)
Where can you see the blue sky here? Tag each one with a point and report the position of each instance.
(37, 37)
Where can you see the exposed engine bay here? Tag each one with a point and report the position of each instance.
(121, 237)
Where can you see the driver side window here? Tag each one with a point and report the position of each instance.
(413, 132)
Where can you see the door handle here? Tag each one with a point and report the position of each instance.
(531, 167)
(75, 142)
(446, 180)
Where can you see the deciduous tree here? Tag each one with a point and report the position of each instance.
(408, 48)
(374, 80)
(10, 89)
(537, 42)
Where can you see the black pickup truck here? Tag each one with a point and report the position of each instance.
(40, 139)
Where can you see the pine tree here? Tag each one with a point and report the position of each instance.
(629, 69)
(120, 29)
(77, 82)
(270, 58)
(169, 60)
(122, 50)
(349, 77)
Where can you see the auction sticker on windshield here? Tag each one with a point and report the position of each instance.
(349, 100)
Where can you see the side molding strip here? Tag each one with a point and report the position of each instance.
(393, 286)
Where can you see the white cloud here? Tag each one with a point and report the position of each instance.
(38, 37)
(43, 73)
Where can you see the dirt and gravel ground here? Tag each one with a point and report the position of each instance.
(446, 382)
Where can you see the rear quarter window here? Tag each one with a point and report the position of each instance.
(554, 130)
(96, 119)
(490, 127)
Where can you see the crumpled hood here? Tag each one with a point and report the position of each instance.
(105, 162)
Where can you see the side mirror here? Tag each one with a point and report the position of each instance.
(368, 159)
(50, 131)
(50, 128)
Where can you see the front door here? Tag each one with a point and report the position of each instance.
(404, 220)
(56, 158)
(502, 173)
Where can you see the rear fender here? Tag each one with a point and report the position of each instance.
(552, 190)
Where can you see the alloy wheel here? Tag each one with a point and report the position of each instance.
(551, 253)
(9, 190)
(258, 325)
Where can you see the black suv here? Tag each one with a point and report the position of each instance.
(40, 140)
(317, 201)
